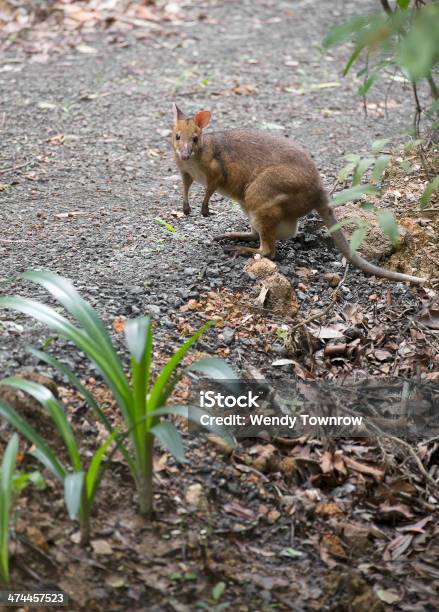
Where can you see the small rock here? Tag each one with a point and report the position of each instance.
(152, 309)
(228, 335)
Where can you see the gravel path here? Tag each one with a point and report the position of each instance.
(112, 167)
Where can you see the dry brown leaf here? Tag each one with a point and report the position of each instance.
(245, 90)
(119, 325)
(328, 509)
(102, 547)
(364, 468)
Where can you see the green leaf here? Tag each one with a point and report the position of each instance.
(157, 396)
(94, 472)
(342, 33)
(45, 397)
(88, 397)
(352, 194)
(388, 224)
(417, 53)
(411, 144)
(345, 172)
(73, 484)
(380, 166)
(215, 369)
(98, 346)
(193, 413)
(434, 107)
(21, 480)
(378, 145)
(364, 88)
(6, 489)
(403, 4)
(170, 228)
(358, 49)
(356, 220)
(429, 191)
(170, 438)
(362, 167)
(218, 591)
(357, 238)
(8, 465)
(406, 166)
(352, 157)
(292, 553)
(45, 455)
(137, 332)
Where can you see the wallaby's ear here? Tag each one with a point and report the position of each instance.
(178, 114)
(202, 119)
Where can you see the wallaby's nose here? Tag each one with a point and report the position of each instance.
(185, 153)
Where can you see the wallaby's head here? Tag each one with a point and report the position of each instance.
(187, 134)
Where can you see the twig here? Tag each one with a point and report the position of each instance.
(418, 462)
(418, 111)
(4, 170)
(329, 307)
(36, 549)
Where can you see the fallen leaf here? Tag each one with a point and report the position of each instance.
(331, 546)
(245, 90)
(237, 510)
(101, 547)
(56, 140)
(388, 597)
(118, 325)
(363, 468)
(83, 48)
(326, 333)
(328, 509)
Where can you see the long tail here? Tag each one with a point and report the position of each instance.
(329, 218)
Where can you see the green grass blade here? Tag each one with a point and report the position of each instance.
(92, 478)
(193, 413)
(138, 335)
(216, 369)
(75, 382)
(63, 290)
(73, 484)
(163, 378)
(6, 484)
(115, 378)
(352, 194)
(51, 461)
(45, 397)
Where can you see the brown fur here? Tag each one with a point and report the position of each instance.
(274, 180)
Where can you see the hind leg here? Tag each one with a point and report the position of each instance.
(267, 246)
(244, 236)
(265, 226)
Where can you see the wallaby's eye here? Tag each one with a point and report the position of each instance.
(177, 136)
(195, 138)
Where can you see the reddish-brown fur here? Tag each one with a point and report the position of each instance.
(274, 180)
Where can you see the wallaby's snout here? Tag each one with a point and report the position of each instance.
(187, 133)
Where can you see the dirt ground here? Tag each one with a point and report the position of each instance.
(87, 176)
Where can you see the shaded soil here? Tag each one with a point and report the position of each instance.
(87, 175)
